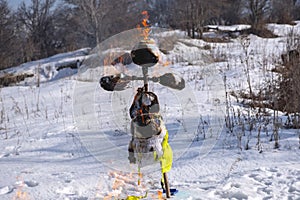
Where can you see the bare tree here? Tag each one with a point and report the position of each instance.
(258, 11)
(231, 11)
(7, 35)
(296, 10)
(68, 34)
(36, 22)
(192, 15)
(99, 19)
(282, 11)
(160, 12)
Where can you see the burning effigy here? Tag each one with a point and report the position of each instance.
(149, 142)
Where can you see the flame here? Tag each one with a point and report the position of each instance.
(20, 195)
(120, 182)
(167, 63)
(146, 27)
(160, 195)
(140, 176)
(121, 179)
(146, 18)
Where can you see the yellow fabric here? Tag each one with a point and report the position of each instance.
(136, 197)
(166, 159)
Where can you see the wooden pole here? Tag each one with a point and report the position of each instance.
(145, 76)
(168, 194)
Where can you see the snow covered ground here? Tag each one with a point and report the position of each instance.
(45, 155)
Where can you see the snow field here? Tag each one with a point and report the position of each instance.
(42, 155)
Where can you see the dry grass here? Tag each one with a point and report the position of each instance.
(10, 79)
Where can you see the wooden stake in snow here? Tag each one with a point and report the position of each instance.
(167, 188)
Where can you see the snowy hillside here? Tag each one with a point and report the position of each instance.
(50, 69)
(68, 138)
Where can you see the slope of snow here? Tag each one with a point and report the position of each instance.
(44, 154)
(237, 27)
(48, 69)
(284, 29)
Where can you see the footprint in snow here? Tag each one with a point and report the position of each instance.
(67, 191)
(77, 198)
(67, 177)
(31, 183)
(70, 193)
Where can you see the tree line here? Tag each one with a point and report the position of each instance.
(43, 28)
